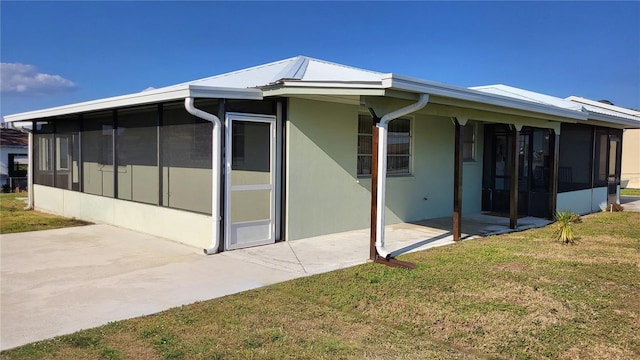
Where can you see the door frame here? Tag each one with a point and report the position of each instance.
(230, 117)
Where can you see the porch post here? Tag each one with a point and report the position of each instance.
(374, 190)
(515, 157)
(553, 176)
(457, 180)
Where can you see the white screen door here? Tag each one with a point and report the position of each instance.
(250, 180)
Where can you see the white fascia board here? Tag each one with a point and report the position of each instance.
(199, 91)
(334, 84)
(145, 97)
(284, 91)
(106, 103)
(416, 85)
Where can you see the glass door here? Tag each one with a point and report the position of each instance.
(250, 180)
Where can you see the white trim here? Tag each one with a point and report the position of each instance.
(145, 97)
(228, 225)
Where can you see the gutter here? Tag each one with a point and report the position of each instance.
(216, 139)
(382, 167)
(30, 167)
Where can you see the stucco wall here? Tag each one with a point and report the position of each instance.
(324, 194)
(583, 201)
(182, 226)
(631, 159)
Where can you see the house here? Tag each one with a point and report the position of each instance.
(296, 148)
(13, 160)
(630, 177)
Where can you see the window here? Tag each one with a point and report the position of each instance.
(62, 152)
(398, 146)
(18, 165)
(469, 143)
(43, 153)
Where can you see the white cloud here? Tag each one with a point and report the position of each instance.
(19, 78)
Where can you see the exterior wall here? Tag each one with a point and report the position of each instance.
(324, 194)
(583, 201)
(182, 226)
(631, 159)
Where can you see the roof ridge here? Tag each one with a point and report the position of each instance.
(237, 71)
(342, 65)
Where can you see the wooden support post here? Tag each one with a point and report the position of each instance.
(553, 176)
(515, 159)
(373, 254)
(457, 180)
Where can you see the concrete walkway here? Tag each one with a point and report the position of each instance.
(56, 282)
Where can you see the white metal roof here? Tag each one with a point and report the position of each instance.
(510, 91)
(596, 108)
(305, 75)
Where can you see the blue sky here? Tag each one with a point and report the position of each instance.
(55, 53)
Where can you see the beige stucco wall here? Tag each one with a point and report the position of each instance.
(182, 226)
(631, 159)
(324, 194)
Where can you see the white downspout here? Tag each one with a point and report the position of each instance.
(216, 139)
(382, 168)
(29, 167)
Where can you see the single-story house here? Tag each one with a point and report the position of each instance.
(14, 149)
(296, 148)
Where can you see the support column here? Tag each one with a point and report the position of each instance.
(374, 190)
(553, 175)
(515, 160)
(457, 180)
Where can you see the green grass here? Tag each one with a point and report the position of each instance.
(13, 217)
(630, 192)
(515, 296)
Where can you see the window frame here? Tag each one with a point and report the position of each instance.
(409, 172)
(474, 142)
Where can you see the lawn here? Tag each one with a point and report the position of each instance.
(13, 217)
(630, 192)
(514, 296)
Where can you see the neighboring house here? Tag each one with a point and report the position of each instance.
(14, 149)
(631, 159)
(296, 153)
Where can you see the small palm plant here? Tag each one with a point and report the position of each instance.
(564, 229)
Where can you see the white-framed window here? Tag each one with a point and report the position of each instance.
(44, 156)
(469, 143)
(398, 146)
(62, 152)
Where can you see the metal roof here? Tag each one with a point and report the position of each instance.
(303, 75)
(599, 109)
(510, 91)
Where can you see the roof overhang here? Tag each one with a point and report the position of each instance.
(471, 96)
(146, 97)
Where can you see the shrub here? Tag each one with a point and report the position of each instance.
(564, 229)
